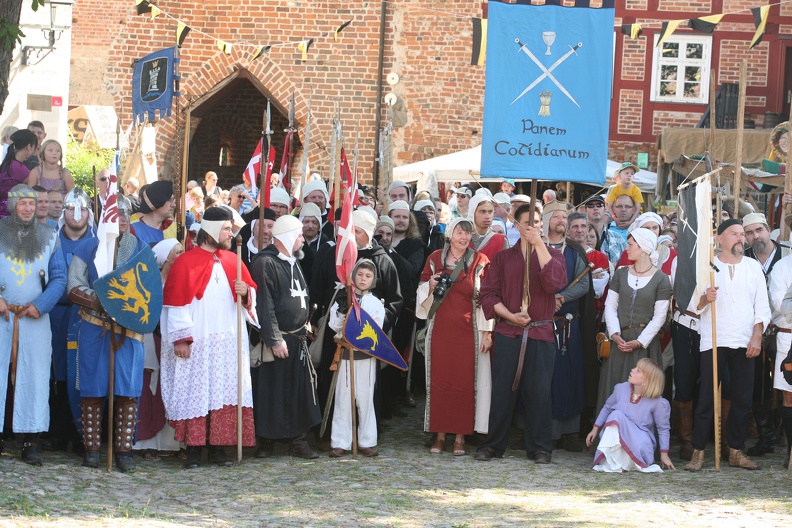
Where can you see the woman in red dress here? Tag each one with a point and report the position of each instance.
(457, 338)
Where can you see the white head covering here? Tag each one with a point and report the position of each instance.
(664, 238)
(251, 243)
(370, 210)
(647, 241)
(366, 222)
(195, 227)
(483, 191)
(238, 222)
(310, 209)
(280, 196)
(163, 249)
(399, 205)
(420, 204)
(478, 199)
(396, 184)
(316, 185)
(754, 218)
(644, 219)
(455, 222)
(286, 229)
(502, 198)
(500, 221)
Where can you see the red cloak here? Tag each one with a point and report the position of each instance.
(192, 271)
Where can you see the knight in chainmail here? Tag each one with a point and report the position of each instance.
(93, 352)
(32, 279)
(75, 225)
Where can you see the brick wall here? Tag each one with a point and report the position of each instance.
(732, 52)
(662, 119)
(630, 111)
(634, 58)
(441, 93)
(702, 6)
(628, 151)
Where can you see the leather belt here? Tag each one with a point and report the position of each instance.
(120, 330)
(523, 345)
(16, 310)
(634, 326)
(784, 330)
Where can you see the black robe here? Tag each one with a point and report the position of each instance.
(285, 405)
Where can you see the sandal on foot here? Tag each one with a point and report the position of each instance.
(438, 447)
(459, 448)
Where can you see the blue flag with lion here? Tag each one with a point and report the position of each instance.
(365, 335)
(548, 92)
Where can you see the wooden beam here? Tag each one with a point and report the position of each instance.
(740, 133)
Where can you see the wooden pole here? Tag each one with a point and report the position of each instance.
(240, 332)
(185, 163)
(713, 115)
(526, 302)
(569, 193)
(716, 390)
(787, 210)
(111, 398)
(740, 134)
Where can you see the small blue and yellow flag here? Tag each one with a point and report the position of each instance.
(365, 335)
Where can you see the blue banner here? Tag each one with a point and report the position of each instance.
(365, 335)
(152, 85)
(548, 92)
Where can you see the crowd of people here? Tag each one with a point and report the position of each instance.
(499, 305)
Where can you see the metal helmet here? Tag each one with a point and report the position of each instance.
(124, 207)
(77, 198)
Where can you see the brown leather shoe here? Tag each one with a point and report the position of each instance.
(368, 451)
(697, 461)
(337, 452)
(739, 459)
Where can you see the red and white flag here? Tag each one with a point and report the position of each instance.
(347, 181)
(346, 244)
(268, 176)
(108, 231)
(253, 168)
(285, 180)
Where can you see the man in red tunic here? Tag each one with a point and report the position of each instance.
(524, 347)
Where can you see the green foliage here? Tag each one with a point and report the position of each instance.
(10, 34)
(81, 161)
(36, 4)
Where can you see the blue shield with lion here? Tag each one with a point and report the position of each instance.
(132, 293)
(365, 335)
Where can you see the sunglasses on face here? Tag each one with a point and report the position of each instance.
(595, 204)
(103, 178)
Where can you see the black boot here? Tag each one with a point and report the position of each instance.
(786, 422)
(30, 450)
(193, 457)
(299, 448)
(218, 456)
(265, 449)
(765, 426)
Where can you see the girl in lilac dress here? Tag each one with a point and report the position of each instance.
(628, 422)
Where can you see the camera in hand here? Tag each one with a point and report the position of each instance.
(443, 283)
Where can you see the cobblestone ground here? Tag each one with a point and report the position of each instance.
(405, 486)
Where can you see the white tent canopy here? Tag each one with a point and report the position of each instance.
(465, 166)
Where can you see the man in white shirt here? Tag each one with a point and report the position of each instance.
(780, 290)
(743, 313)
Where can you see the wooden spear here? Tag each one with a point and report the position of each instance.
(240, 332)
(740, 134)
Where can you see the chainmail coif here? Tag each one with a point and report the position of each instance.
(22, 240)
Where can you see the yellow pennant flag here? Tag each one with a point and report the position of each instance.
(760, 21)
(181, 33)
(155, 12)
(667, 30)
(225, 47)
(304, 46)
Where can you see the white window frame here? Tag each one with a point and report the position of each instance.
(705, 62)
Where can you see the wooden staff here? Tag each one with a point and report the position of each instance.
(713, 115)
(716, 390)
(740, 134)
(114, 345)
(185, 162)
(787, 210)
(264, 186)
(95, 196)
(240, 331)
(526, 278)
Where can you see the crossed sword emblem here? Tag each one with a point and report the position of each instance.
(548, 72)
